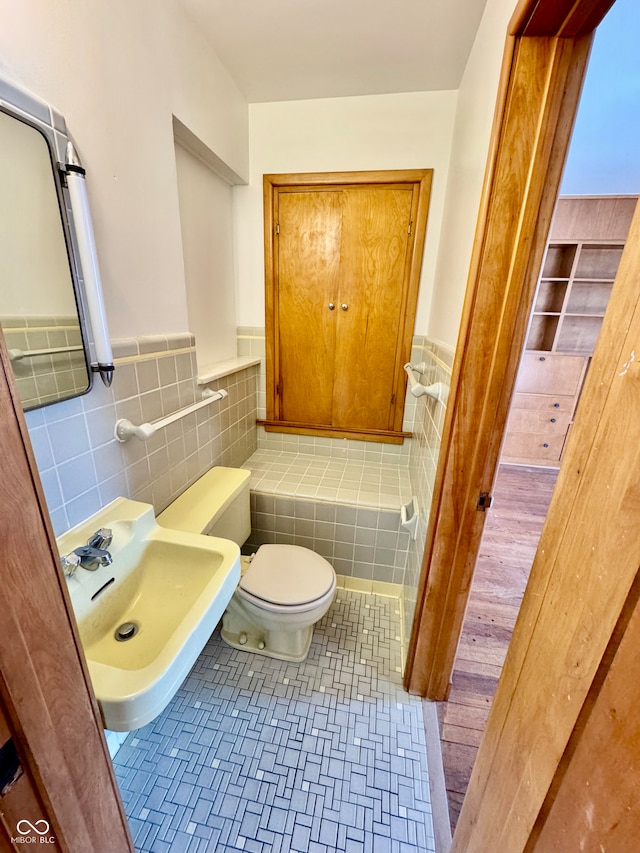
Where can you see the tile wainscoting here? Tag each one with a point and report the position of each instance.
(83, 467)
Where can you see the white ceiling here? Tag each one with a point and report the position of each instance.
(298, 49)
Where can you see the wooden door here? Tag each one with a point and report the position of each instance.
(559, 698)
(19, 798)
(373, 266)
(47, 706)
(343, 259)
(596, 805)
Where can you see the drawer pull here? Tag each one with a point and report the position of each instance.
(545, 445)
(553, 420)
(556, 405)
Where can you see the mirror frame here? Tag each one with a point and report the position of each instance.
(25, 108)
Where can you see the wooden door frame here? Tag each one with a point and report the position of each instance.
(583, 590)
(545, 59)
(45, 691)
(420, 178)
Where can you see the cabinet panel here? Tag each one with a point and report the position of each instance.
(308, 270)
(543, 402)
(536, 448)
(375, 228)
(593, 218)
(550, 374)
(525, 420)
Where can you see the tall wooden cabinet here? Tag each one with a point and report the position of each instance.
(343, 257)
(584, 250)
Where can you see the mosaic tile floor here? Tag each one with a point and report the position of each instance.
(374, 484)
(259, 755)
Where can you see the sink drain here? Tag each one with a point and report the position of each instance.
(126, 631)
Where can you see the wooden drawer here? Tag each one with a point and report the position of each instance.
(548, 373)
(528, 420)
(536, 448)
(544, 403)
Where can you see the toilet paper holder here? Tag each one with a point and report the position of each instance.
(409, 517)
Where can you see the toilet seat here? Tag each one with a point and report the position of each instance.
(287, 578)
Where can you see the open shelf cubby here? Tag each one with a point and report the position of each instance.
(599, 262)
(550, 296)
(578, 334)
(542, 331)
(589, 297)
(559, 261)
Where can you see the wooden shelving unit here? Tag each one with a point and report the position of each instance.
(582, 258)
(572, 296)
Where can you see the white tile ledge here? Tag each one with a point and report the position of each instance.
(226, 368)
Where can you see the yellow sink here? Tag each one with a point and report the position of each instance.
(144, 619)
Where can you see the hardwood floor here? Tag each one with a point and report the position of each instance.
(509, 542)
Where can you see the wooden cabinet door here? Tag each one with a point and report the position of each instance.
(342, 262)
(308, 269)
(373, 266)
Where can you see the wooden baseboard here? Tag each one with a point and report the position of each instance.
(383, 436)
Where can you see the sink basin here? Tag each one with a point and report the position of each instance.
(163, 595)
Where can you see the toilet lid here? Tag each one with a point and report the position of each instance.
(287, 575)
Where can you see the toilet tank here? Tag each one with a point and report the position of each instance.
(217, 504)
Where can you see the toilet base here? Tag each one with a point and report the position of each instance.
(239, 632)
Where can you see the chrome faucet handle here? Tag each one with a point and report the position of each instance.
(91, 558)
(101, 538)
(70, 563)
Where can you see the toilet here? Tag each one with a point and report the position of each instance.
(284, 589)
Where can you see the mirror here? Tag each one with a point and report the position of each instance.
(38, 297)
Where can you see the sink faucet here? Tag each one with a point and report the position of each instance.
(89, 556)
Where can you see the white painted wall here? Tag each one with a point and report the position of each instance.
(404, 131)
(117, 70)
(474, 118)
(207, 241)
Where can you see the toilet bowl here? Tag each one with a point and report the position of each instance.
(285, 590)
